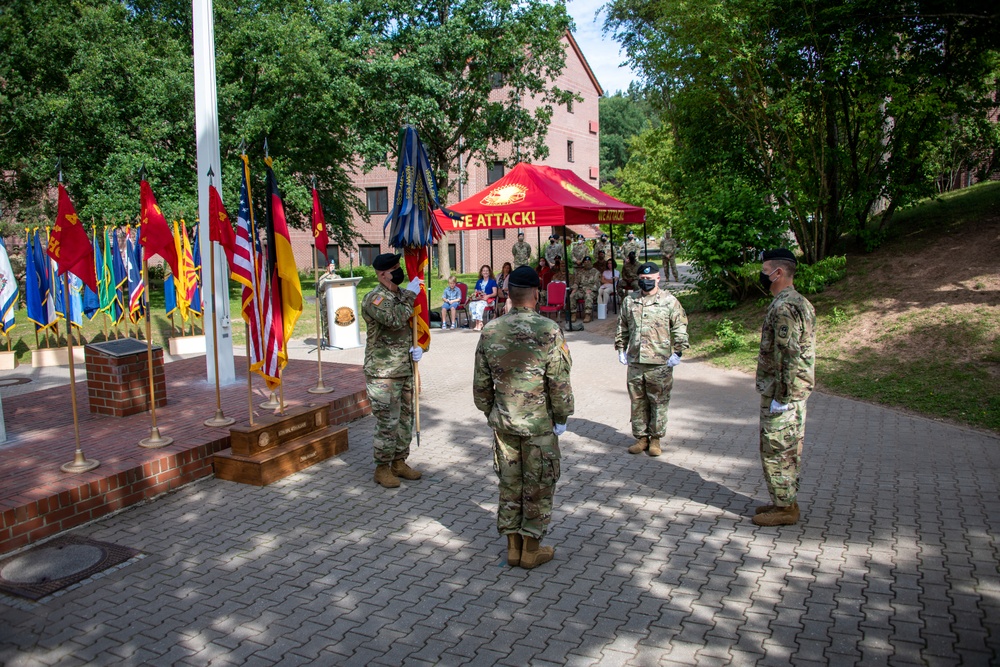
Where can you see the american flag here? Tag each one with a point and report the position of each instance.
(250, 270)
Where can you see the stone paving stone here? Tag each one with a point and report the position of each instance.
(657, 562)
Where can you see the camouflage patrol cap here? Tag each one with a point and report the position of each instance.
(779, 253)
(385, 261)
(523, 276)
(648, 269)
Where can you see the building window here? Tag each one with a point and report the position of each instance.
(498, 234)
(368, 252)
(569, 105)
(332, 255)
(452, 256)
(496, 80)
(378, 200)
(494, 172)
(569, 151)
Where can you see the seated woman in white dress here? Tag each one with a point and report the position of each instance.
(485, 295)
(609, 277)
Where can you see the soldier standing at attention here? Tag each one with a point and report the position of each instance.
(630, 245)
(785, 378)
(521, 251)
(586, 282)
(321, 284)
(554, 250)
(668, 249)
(388, 371)
(522, 385)
(602, 245)
(579, 251)
(651, 336)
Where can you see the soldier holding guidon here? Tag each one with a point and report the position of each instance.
(388, 371)
(651, 337)
(785, 378)
(522, 385)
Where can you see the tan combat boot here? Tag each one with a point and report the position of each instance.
(654, 447)
(781, 516)
(765, 508)
(384, 476)
(640, 446)
(572, 317)
(403, 471)
(533, 555)
(515, 542)
(586, 317)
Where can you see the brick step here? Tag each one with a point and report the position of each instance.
(283, 460)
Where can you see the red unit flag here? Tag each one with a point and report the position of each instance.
(220, 229)
(320, 237)
(155, 234)
(69, 246)
(416, 266)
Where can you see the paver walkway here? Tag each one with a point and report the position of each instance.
(657, 563)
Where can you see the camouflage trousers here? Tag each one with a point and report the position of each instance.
(587, 295)
(668, 266)
(649, 388)
(392, 405)
(781, 438)
(528, 469)
(324, 327)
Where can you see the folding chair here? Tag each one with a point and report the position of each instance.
(555, 298)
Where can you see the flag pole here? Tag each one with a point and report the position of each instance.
(155, 440)
(320, 388)
(219, 420)
(246, 329)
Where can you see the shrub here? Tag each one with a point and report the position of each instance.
(813, 278)
(731, 335)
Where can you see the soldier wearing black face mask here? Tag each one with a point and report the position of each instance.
(651, 336)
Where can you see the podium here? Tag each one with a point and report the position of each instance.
(342, 316)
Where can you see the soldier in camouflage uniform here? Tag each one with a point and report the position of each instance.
(630, 245)
(651, 337)
(321, 284)
(630, 276)
(586, 282)
(521, 251)
(602, 245)
(668, 250)
(580, 251)
(554, 249)
(522, 385)
(785, 378)
(388, 369)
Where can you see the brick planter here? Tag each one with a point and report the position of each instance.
(118, 377)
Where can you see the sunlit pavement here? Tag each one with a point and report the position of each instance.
(657, 562)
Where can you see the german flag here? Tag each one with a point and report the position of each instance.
(283, 275)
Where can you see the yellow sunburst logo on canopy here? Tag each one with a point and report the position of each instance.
(577, 192)
(511, 193)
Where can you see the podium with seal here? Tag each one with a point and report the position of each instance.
(342, 316)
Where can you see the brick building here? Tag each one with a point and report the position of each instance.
(573, 142)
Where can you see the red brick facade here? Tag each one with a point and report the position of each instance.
(579, 124)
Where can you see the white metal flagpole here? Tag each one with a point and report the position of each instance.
(214, 291)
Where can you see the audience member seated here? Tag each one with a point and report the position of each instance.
(451, 299)
(484, 296)
(558, 273)
(545, 277)
(502, 286)
(608, 279)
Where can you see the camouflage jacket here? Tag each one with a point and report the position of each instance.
(322, 283)
(586, 279)
(522, 373)
(554, 250)
(602, 245)
(651, 327)
(580, 250)
(786, 364)
(387, 317)
(522, 253)
(630, 273)
(632, 246)
(668, 247)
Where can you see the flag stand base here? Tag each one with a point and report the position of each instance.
(320, 388)
(155, 441)
(80, 464)
(219, 420)
(270, 404)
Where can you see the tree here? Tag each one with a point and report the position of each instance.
(829, 106)
(459, 72)
(623, 116)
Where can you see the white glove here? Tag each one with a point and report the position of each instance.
(414, 285)
(416, 353)
(673, 360)
(778, 407)
(622, 358)
(558, 429)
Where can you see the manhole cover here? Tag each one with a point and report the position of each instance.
(57, 564)
(12, 382)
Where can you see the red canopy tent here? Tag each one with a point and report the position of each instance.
(539, 196)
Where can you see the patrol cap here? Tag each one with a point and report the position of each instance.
(523, 276)
(779, 253)
(385, 261)
(648, 269)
